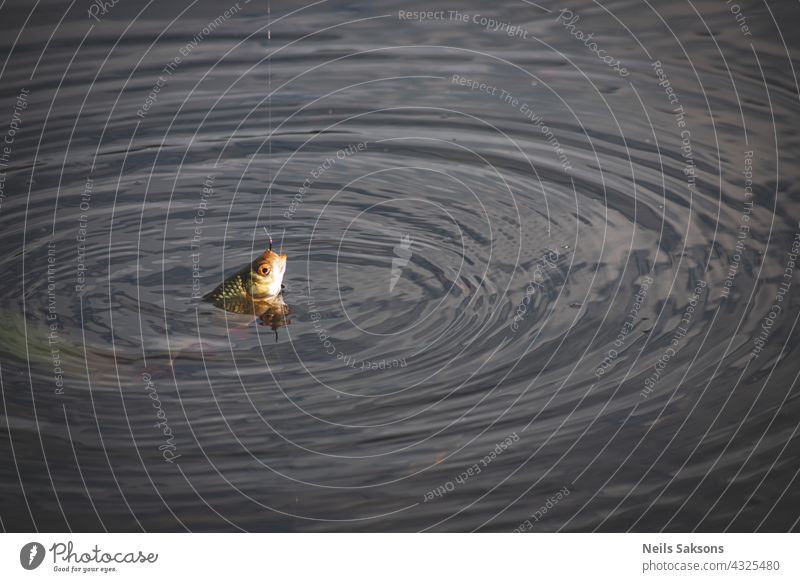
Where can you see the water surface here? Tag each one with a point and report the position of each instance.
(538, 280)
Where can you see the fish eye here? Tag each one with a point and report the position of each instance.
(264, 270)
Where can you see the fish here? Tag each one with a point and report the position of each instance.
(261, 280)
(256, 289)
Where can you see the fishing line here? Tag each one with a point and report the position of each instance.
(269, 134)
(269, 236)
(269, 117)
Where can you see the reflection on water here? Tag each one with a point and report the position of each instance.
(535, 254)
(272, 313)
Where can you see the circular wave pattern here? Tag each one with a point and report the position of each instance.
(541, 267)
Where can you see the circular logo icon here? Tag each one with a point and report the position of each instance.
(31, 555)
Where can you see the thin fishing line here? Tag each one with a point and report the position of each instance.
(269, 115)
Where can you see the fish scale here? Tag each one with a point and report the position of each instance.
(233, 288)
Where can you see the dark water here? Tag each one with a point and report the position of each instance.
(566, 296)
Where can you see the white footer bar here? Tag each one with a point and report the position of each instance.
(400, 557)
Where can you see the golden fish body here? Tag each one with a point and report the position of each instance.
(256, 290)
(259, 281)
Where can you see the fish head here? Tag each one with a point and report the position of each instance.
(266, 274)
